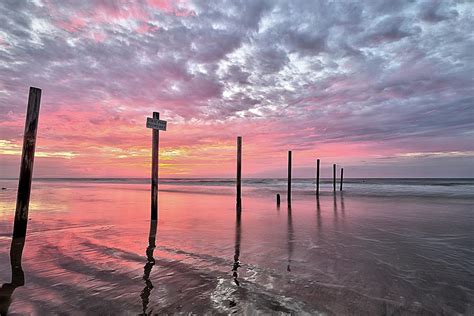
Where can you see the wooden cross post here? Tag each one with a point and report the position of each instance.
(156, 124)
(27, 159)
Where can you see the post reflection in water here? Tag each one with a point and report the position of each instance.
(318, 213)
(342, 205)
(290, 239)
(145, 294)
(18, 277)
(236, 264)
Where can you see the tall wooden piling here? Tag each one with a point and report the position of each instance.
(154, 169)
(27, 159)
(239, 171)
(342, 179)
(236, 264)
(334, 177)
(289, 179)
(150, 262)
(317, 176)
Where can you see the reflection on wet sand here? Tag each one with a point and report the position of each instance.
(336, 215)
(145, 294)
(236, 264)
(318, 213)
(18, 277)
(384, 257)
(343, 209)
(290, 240)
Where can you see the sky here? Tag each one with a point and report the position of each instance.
(381, 88)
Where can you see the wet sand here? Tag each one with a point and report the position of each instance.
(91, 249)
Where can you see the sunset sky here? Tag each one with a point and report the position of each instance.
(384, 89)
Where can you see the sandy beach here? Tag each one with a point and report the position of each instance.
(269, 157)
(88, 249)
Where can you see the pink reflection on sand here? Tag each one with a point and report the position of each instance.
(325, 255)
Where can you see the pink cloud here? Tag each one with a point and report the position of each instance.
(146, 27)
(177, 7)
(73, 24)
(98, 36)
(104, 13)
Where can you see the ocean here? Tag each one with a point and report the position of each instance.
(422, 187)
(381, 246)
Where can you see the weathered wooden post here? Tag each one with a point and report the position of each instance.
(334, 177)
(145, 294)
(27, 159)
(239, 171)
(289, 179)
(342, 179)
(156, 124)
(317, 177)
(291, 239)
(236, 264)
(278, 199)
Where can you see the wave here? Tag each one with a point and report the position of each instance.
(392, 187)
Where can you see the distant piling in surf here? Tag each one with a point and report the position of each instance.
(289, 179)
(239, 172)
(278, 199)
(317, 176)
(342, 179)
(27, 160)
(334, 177)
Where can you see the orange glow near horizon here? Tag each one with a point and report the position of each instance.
(69, 143)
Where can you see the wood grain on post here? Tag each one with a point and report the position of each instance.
(238, 238)
(317, 176)
(334, 177)
(27, 159)
(154, 169)
(239, 171)
(289, 179)
(342, 179)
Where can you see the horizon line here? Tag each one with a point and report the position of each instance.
(226, 178)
